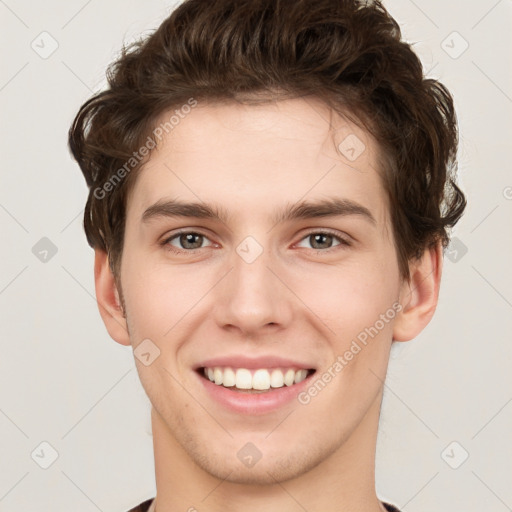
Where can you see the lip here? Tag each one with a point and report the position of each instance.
(254, 363)
(255, 404)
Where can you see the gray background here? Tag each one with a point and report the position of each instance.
(64, 382)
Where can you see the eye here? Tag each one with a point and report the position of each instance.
(322, 240)
(186, 241)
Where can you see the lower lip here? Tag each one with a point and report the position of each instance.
(253, 403)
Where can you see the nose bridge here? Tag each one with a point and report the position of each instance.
(252, 297)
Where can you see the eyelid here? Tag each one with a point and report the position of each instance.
(184, 231)
(343, 239)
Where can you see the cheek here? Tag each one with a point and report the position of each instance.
(158, 296)
(352, 297)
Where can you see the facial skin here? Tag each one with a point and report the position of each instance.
(304, 297)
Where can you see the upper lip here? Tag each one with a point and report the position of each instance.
(242, 361)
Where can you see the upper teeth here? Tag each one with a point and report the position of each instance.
(261, 379)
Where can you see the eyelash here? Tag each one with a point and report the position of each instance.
(166, 242)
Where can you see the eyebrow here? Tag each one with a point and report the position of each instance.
(331, 207)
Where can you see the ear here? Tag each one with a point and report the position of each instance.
(107, 296)
(419, 294)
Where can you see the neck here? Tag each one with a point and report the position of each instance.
(343, 481)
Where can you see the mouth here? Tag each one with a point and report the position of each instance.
(253, 386)
(255, 380)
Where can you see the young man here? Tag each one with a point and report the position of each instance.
(271, 183)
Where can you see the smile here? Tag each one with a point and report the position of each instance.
(255, 385)
(255, 380)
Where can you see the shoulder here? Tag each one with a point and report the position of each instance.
(143, 507)
(390, 508)
(146, 505)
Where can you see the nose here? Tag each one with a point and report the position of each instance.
(252, 299)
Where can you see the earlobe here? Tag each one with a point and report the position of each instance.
(419, 295)
(107, 296)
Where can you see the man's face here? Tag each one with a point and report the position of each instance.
(259, 289)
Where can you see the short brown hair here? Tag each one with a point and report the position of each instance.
(348, 53)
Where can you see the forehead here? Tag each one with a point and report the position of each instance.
(251, 157)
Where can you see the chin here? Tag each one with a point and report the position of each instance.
(268, 470)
